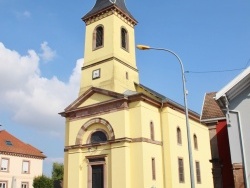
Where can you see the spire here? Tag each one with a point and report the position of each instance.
(101, 5)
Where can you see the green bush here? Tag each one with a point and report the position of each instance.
(57, 171)
(42, 182)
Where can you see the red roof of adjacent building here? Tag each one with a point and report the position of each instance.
(11, 145)
(211, 109)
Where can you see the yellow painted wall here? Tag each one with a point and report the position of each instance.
(172, 150)
(113, 77)
(95, 99)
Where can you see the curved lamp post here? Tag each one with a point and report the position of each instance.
(143, 47)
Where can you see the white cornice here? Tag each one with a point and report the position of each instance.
(237, 85)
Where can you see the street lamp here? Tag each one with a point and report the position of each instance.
(144, 47)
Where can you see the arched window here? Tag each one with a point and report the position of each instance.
(179, 140)
(152, 131)
(124, 39)
(195, 142)
(98, 37)
(98, 137)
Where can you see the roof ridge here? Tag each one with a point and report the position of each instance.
(17, 146)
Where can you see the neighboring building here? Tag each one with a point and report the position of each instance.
(234, 99)
(226, 113)
(215, 119)
(119, 133)
(19, 162)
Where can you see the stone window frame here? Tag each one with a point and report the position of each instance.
(4, 182)
(88, 124)
(102, 130)
(8, 164)
(181, 170)
(102, 161)
(124, 39)
(198, 172)
(179, 135)
(24, 183)
(94, 42)
(24, 172)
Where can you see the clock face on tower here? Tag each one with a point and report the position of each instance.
(96, 74)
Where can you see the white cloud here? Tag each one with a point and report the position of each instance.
(23, 15)
(31, 99)
(47, 53)
(26, 14)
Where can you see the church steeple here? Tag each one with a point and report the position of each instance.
(103, 5)
(109, 56)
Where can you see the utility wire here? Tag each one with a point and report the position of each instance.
(219, 71)
(212, 71)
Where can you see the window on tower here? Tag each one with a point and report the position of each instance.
(98, 37)
(124, 38)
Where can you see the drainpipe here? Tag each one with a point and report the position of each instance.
(227, 110)
(242, 147)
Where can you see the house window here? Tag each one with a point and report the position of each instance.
(98, 137)
(26, 167)
(98, 37)
(181, 170)
(4, 165)
(8, 143)
(179, 140)
(124, 38)
(152, 131)
(3, 184)
(153, 169)
(198, 172)
(25, 185)
(195, 142)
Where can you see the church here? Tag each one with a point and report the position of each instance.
(120, 133)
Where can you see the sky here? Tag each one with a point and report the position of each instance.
(42, 51)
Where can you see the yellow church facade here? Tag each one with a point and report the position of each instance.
(119, 133)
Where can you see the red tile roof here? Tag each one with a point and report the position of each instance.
(211, 109)
(18, 147)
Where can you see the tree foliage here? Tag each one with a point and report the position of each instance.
(42, 182)
(57, 171)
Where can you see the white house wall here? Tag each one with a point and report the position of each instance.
(15, 177)
(240, 104)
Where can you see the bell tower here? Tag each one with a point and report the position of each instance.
(109, 56)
